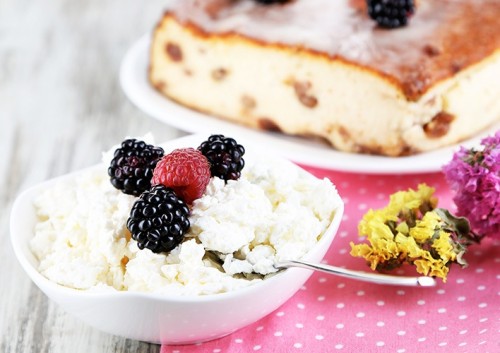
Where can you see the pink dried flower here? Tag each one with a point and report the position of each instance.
(474, 176)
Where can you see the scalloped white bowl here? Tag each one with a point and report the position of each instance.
(155, 318)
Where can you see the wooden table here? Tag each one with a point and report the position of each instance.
(60, 106)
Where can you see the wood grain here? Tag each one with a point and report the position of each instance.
(60, 106)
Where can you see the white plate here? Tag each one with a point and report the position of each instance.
(134, 81)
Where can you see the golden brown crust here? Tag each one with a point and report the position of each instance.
(464, 33)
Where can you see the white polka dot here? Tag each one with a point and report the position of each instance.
(360, 314)
(257, 347)
(421, 339)
(301, 306)
(321, 298)
(401, 333)
(463, 332)
(297, 345)
(341, 285)
(339, 346)
(216, 350)
(343, 251)
(443, 328)
(278, 333)
(400, 292)
(280, 313)
(482, 305)
(344, 234)
(440, 291)
(360, 293)
(441, 310)
(421, 302)
(260, 328)
(461, 344)
(483, 331)
(481, 343)
(303, 288)
(461, 299)
(299, 325)
(421, 322)
(460, 280)
(479, 270)
(340, 305)
(380, 344)
(238, 340)
(380, 303)
(462, 317)
(380, 324)
(320, 317)
(478, 253)
(339, 326)
(345, 218)
(322, 280)
(319, 337)
(442, 344)
(484, 319)
(362, 206)
(401, 350)
(481, 287)
(401, 313)
(360, 334)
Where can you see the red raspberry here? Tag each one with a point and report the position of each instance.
(184, 170)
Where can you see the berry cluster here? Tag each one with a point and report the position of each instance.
(391, 13)
(167, 184)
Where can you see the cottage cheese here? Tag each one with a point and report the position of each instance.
(276, 211)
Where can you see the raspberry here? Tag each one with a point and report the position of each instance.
(132, 166)
(225, 156)
(158, 220)
(391, 13)
(184, 170)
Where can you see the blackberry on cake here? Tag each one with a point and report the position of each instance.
(131, 168)
(391, 13)
(158, 220)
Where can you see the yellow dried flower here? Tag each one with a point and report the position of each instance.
(411, 230)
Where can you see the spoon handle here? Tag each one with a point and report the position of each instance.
(422, 281)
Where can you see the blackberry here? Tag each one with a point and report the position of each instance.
(131, 168)
(158, 220)
(225, 156)
(391, 13)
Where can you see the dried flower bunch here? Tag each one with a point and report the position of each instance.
(410, 229)
(474, 176)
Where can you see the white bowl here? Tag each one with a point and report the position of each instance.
(155, 318)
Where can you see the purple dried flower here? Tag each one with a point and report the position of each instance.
(474, 176)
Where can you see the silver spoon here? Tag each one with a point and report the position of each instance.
(422, 281)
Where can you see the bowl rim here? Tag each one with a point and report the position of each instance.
(20, 245)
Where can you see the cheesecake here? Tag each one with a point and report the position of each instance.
(324, 70)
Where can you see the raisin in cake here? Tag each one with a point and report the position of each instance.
(323, 68)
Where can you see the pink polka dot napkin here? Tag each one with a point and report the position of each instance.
(334, 314)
